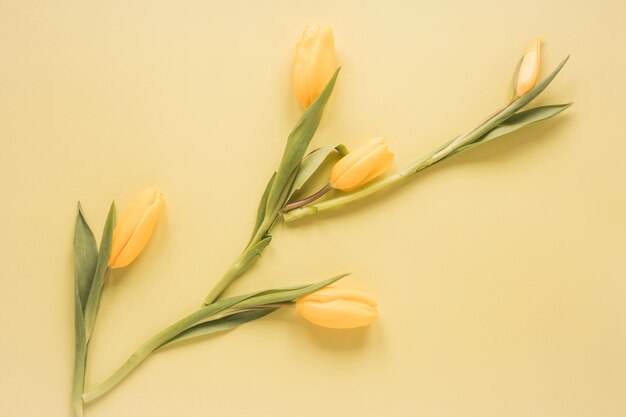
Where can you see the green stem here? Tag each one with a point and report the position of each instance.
(143, 352)
(235, 270)
(301, 212)
(307, 200)
(80, 363)
(84, 322)
(242, 263)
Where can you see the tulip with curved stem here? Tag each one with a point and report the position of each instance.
(355, 169)
(270, 299)
(474, 137)
(146, 349)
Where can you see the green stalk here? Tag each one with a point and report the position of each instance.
(144, 351)
(79, 380)
(80, 358)
(83, 330)
(258, 242)
(308, 200)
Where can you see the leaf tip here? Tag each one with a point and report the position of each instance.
(113, 210)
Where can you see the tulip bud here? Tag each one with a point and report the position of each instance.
(361, 165)
(135, 228)
(314, 63)
(338, 308)
(528, 70)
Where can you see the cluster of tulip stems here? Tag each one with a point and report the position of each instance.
(355, 175)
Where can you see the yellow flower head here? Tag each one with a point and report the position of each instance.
(135, 228)
(361, 165)
(338, 308)
(314, 63)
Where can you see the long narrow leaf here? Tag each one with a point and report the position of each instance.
(279, 295)
(93, 302)
(454, 145)
(288, 295)
(517, 104)
(516, 122)
(311, 164)
(220, 325)
(297, 143)
(85, 257)
(538, 89)
(85, 261)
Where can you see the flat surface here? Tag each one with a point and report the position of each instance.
(500, 274)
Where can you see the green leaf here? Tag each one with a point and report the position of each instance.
(311, 164)
(260, 215)
(257, 298)
(85, 261)
(518, 121)
(452, 147)
(220, 325)
(284, 295)
(512, 108)
(524, 118)
(542, 85)
(297, 143)
(93, 301)
(85, 257)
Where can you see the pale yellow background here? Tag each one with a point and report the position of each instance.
(500, 274)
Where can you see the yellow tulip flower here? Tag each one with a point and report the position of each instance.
(314, 63)
(135, 228)
(361, 165)
(338, 308)
(528, 71)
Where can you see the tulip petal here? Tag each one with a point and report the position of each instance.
(358, 173)
(139, 221)
(353, 157)
(332, 293)
(337, 308)
(324, 64)
(300, 81)
(128, 221)
(314, 63)
(384, 163)
(338, 314)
